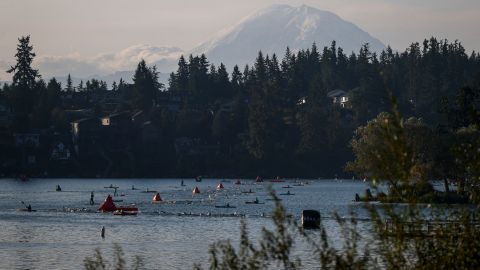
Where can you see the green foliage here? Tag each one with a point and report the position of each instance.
(466, 149)
(98, 262)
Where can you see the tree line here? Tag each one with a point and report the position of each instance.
(271, 118)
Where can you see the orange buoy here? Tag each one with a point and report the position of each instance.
(220, 186)
(196, 190)
(157, 197)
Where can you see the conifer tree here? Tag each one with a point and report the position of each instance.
(23, 88)
(24, 75)
(69, 87)
(145, 85)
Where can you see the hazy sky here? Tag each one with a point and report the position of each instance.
(90, 27)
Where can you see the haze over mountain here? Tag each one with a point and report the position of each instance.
(270, 30)
(276, 27)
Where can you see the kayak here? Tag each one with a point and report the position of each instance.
(254, 202)
(25, 210)
(125, 213)
(128, 209)
(224, 206)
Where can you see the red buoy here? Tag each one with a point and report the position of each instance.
(157, 197)
(196, 190)
(107, 205)
(220, 186)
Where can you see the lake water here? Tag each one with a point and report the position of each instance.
(174, 234)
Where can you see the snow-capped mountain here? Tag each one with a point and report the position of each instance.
(272, 29)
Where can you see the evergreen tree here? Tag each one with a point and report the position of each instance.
(145, 85)
(313, 121)
(23, 89)
(181, 77)
(80, 86)
(23, 74)
(69, 87)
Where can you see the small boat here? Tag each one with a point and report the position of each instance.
(259, 179)
(195, 191)
(182, 184)
(148, 191)
(238, 182)
(287, 194)
(198, 179)
(26, 210)
(121, 212)
(271, 199)
(256, 201)
(111, 186)
(298, 185)
(225, 206)
(58, 188)
(287, 186)
(248, 192)
(220, 186)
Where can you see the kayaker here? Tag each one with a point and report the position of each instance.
(91, 198)
(29, 208)
(103, 232)
(256, 200)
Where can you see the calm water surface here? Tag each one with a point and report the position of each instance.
(174, 234)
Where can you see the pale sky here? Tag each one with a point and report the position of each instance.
(88, 28)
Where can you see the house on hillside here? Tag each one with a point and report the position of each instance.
(340, 97)
(31, 140)
(60, 152)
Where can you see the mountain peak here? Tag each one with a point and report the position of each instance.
(275, 27)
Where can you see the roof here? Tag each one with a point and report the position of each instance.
(336, 93)
(84, 120)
